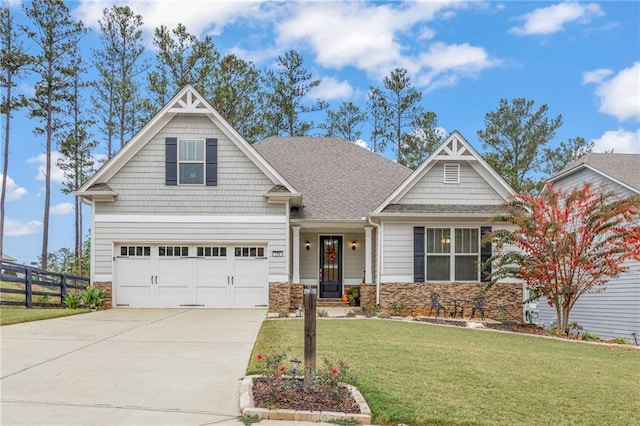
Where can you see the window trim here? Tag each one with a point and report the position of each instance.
(452, 253)
(202, 162)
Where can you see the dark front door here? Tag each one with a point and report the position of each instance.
(330, 267)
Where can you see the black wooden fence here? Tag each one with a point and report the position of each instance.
(22, 285)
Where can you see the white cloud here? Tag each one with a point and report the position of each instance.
(362, 144)
(447, 63)
(620, 141)
(62, 208)
(551, 19)
(364, 35)
(28, 90)
(14, 192)
(198, 16)
(331, 89)
(15, 228)
(620, 95)
(57, 174)
(596, 76)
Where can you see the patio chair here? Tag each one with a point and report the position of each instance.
(478, 306)
(435, 304)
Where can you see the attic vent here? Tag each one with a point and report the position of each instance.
(452, 173)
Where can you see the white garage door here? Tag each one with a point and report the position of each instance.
(192, 275)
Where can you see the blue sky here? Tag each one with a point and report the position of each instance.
(580, 58)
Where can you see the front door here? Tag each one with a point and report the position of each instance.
(330, 267)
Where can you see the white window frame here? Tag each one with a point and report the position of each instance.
(451, 173)
(452, 253)
(203, 162)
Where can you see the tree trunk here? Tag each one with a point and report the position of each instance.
(5, 165)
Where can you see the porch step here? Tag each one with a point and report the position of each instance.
(331, 303)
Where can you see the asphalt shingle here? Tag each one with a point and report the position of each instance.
(622, 167)
(338, 180)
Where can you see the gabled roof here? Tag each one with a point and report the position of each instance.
(187, 101)
(454, 148)
(339, 180)
(620, 168)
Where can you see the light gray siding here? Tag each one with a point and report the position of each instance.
(473, 188)
(141, 188)
(615, 312)
(397, 252)
(110, 233)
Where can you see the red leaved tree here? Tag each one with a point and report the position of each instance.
(567, 244)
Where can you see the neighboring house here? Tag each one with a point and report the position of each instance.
(615, 311)
(190, 214)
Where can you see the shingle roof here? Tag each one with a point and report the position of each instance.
(622, 167)
(338, 180)
(453, 209)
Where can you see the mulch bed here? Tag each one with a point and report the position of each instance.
(297, 399)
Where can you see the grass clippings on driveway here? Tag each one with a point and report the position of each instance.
(18, 315)
(422, 374)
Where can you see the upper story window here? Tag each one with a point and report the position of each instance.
(191, 162)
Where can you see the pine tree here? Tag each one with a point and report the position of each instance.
(377, 107)
(119, 64)
(286, 86)
(55, 35)
(14, 60)
(346, 122)
(418, 145)
(77, 160)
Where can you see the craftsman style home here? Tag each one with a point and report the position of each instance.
(615, 310)
(190, 214)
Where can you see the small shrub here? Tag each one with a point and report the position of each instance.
(620, 341)
(590, 337)
(72, 300)
(322, 313)
(398, 307)
(553, 330)
(331, 375)
(370, 310)
(92, 297)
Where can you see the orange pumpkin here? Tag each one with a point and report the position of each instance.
(345, 298)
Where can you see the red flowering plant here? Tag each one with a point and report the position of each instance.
(280, 382)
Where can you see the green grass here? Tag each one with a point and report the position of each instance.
(18, 315)
(422, 374)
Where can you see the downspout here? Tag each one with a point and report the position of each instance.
(378, 263)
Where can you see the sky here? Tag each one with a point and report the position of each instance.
(582, 59)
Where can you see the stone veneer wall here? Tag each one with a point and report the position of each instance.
(417, 297)
(367, 295)
(106, 286)
(279, 297)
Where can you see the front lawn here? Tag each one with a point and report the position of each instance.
(17, 315)
(423, 374)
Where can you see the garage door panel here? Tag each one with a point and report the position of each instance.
(134, 281)
(250, 282)
(174, 276)
(211, 282)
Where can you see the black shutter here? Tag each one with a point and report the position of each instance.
(485, 254)
(212, 162)
(171, 161)
(418, 254)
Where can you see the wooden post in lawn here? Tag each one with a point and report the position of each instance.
(309, 337)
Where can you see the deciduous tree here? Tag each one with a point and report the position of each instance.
(13, 59)
(567, 244)
(514, 139)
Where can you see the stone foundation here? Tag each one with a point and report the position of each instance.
(503, 301)
(106, 286)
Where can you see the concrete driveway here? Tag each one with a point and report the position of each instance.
(127, 366)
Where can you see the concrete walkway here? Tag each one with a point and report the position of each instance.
(127, 366)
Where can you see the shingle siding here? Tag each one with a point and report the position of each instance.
(141, 188)
(472, 189)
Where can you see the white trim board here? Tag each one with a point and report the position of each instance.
(120, 218)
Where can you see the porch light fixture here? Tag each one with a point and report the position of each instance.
(353, 245)
(307, 245)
